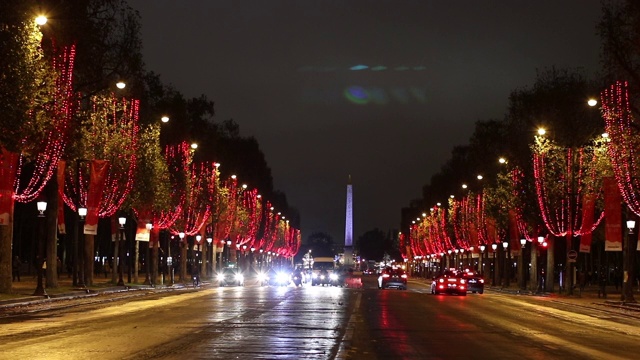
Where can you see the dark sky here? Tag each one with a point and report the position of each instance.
(286, 71)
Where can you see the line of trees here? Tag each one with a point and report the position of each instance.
(541, 181)
(60, 103)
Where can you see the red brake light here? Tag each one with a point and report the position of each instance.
(404, 276)
(481, 281)
(385, 275)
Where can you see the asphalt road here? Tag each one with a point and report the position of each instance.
(255, 322)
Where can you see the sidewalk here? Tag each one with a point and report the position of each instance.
(588, 297)
(22, 291)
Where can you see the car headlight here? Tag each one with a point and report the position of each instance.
(220, 277)
(321, 277)
(283, 278)
(262, 277)
(239, 277)
(333, 277)
(314, 275)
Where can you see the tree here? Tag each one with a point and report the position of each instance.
(619, 30)
(321, 244)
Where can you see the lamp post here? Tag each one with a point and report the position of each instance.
(505, 245)
(147, 258)
(251, 258)
(170, 261)
(494, 247)
(210, 267)
(198, 253)
(183, 256)
(261, 259)
(481, 262)
(449, 259)
(628, 266)
(244, 257)
(521, 271)
(228, 251)
(536, 281)
(221, 253)
(119, 240)
(456, 259)
(40, 263)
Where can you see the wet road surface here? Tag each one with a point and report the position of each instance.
(255, 322)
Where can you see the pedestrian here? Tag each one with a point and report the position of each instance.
(602, 282)
(15, 267)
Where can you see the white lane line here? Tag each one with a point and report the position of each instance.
(345, 342)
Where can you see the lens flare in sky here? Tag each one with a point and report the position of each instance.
(357, 95)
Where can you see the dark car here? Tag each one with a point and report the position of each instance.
(230, 276)
(449, 282)
(475, 282)
(392, 278)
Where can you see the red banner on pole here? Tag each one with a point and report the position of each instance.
(613, 213)
(60, 176)
(142, 233)
(588, 213)
(96, 186)
(8, 167)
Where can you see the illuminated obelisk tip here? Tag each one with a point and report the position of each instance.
(348, 229)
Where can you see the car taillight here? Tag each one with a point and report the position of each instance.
(481, 281)
(385, 275)
(462, 281)
(404, 276)
(441, 280)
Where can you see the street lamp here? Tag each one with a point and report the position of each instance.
(521, 271)
(494, 247)
(481, 264)
(40, 291)
(183, 263)
(629, 277)
(228, 251)
(41, 20)
(631, 224)
(505, 245)
(210, 267)
(198, 251)
(222, 242)
(147, 260)
(121, 221)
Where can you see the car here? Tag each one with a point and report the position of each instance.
(392, 278)
(230, 276)
(475, 282)
(449, 282)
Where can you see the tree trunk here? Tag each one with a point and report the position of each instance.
(6, 235)
(549, 276)
(114, 266)
(51, 232)
(497, 272)
(136, 262)
(183, 261)
(88, 258)
(203, 267)
(533, 275)
(154, 259)
(628, 276)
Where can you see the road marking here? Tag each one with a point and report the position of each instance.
(345, 342)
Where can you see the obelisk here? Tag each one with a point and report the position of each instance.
(348, 227)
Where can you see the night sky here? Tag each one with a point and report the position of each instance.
(379, 90)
